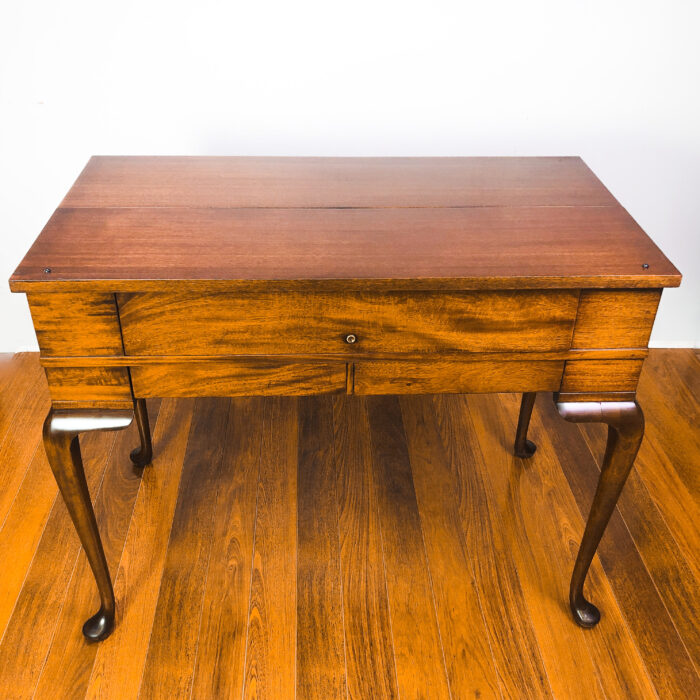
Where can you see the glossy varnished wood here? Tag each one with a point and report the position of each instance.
(419, 657)
(320, 662)
(143, 454)
(184, 323)
(639, 553)
(99, 387)
(469, 661)
(119, 664)
(294, 277)
(223, 634)
(512, 635)
(369, 651)
(265, 377)
(625, 422)
(61, 430)
(114, 502)
(270, 658)
(228, 182)
(621, 319)
(547, 520)
(151, 249)
(343, 223)
(472, 518)
(523, 447)
(454, 377)
(601, 376)
(76, 324)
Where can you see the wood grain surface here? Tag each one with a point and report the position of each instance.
(369, 651)
(621, 319)
(424, 560)
(76, 324)
(239, 378)
(320, 657)
(172, 655)
(187, 324)
(96, 385)
(455, 376)
(271, 649)
(589, 376)
(220, 668)
(230, 182)
(419, 656)
(165, 249)
(137, 224)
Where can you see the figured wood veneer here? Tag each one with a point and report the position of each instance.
(450, 377)
(293, 322)
(588, 376)
(255, 257)
(615, 319)
(90, 385)
(239, 378)
(72, 323)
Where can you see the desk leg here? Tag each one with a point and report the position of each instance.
(61, 429)
(625, 422)
(525, 448)
(142, 455)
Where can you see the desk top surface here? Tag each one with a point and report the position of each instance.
(155, 223)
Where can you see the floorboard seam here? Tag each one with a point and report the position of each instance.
(375, 489)
(252, 553)
(167, 546)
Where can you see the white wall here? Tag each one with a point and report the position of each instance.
(617, 82)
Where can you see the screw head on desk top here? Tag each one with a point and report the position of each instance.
(351, 338)
(645, 266)
(47, 270)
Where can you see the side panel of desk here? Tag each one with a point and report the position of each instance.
(74, 325)
(618, 320)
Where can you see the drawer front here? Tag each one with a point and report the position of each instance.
(455, 377)
(394, 322)
(239, 378)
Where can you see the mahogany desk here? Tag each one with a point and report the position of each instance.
(240, 276)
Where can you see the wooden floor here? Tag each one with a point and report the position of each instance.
(340, 547)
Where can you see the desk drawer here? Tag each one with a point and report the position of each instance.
(182, 323)
(455, 376)
(239, 378)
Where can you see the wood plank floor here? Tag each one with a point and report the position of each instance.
(342, 547)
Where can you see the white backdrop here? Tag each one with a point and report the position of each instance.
(615, 82)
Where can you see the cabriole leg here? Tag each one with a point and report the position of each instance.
(524, 448)
(61, 429)
(625, 422)
(142, 455)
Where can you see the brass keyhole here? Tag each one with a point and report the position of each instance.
(351, 338)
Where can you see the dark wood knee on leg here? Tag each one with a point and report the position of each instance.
(143, 454)
(523, 447)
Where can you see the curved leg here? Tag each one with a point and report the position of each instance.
(524, 448)
(142, 455)
(625, 422)
(61, 429)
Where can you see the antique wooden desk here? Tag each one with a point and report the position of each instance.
(239, 276)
